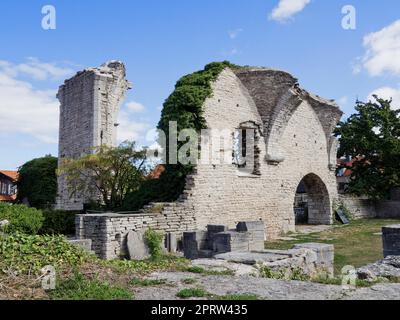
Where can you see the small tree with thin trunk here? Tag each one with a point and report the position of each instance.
(108, 174)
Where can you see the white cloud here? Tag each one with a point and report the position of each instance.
(36, 69)
(286, 9)
(25, 110)
(383, 51)
(130, 130)
(387, 93)
(129, 127)
(135, 106)
(234, 33)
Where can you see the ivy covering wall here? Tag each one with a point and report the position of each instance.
(185, 106)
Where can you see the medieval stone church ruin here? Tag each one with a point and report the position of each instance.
(294, 146)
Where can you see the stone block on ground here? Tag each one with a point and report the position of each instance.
(387, 268)
(137, 247)
(391, 240)
(238, 269)
(193, 242)
(171, 242)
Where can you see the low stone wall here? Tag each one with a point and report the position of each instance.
(359, 207)
(366, 208)
(388, 209)
(108, 232)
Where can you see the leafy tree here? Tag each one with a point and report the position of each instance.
(371, 137)
(109, 172)
(37, 182)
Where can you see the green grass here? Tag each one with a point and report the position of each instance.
(80, 288)
(200, 270)
(355, 244)
(147, 282)
(192, 293)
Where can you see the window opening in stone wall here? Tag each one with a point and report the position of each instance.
(246, 150)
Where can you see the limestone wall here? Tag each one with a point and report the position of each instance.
(108, 232)
(388, 209)
(359, 207)
(222, 195)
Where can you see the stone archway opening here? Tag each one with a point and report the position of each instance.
(312, 204)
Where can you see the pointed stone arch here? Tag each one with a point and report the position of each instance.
(318, 199)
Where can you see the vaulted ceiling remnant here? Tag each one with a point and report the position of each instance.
(277, 96)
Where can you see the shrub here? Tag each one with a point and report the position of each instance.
(30, 253)
(192, 293)
(21, 218)
(147, 282)
(58, 222)
(37, 182)
(80, 288)
(154, 242)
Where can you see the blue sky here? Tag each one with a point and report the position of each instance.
(161, 40)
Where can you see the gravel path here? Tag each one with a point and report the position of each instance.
(268, 289)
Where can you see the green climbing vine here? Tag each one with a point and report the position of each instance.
(185, 106)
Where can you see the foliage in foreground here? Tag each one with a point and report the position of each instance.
(21, 218)
(192, 293)
(80, 288)
(371, 137)
(37, 182)
(154, 241)
(23, 254)
(58, 222)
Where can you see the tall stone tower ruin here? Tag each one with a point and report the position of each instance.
(89, 109)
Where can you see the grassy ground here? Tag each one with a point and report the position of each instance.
(356, 244)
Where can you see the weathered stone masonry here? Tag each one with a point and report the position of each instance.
(108, 232)
(88, 118)
(295, 144)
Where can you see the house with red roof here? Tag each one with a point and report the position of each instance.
(8, 185)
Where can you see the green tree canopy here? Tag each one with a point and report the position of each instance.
(109, 172)
(371, 137)
(37, 182)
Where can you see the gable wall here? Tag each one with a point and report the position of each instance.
(221, 196)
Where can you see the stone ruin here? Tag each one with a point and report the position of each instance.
(242, 252)
(248, 236)
(293, 146)
(89, 106)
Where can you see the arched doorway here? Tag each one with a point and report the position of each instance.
(312, 203)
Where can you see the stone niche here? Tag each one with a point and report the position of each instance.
(248, 236)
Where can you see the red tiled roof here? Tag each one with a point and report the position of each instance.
(11, 174)
(4, 198)
(156, 172)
